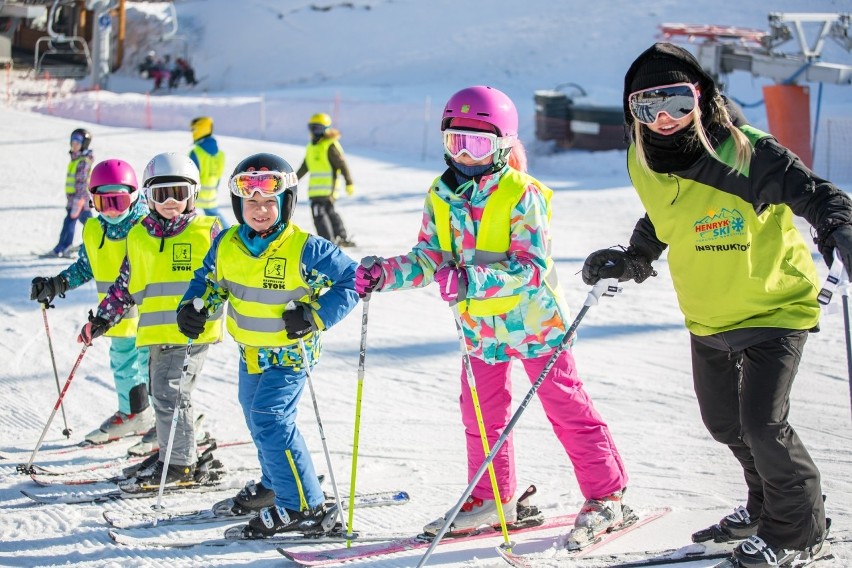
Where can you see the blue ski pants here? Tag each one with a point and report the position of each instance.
(129, 366)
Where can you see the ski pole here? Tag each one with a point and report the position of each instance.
(362, 355)
(28, 467)
(471, 384)
(607, 287)
(307, 364)
(198, 304)
(67, 431)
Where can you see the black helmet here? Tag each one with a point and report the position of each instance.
(271, 163)
(85, 135)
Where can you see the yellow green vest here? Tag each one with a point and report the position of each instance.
(158, 281)
(731, 268)
(259, 288)
(211, 168)
(71, 177)
(105, 262)
(322, 176)
(493, 236)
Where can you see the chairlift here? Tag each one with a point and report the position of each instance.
(63, 45)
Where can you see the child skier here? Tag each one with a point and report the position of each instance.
(76, 193)
(324, 161)
(115, 195)
(485, 240)
(260, 266)
(162, 251)
(210, 160)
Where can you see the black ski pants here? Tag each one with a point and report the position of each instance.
(744, 395)
(328, 223)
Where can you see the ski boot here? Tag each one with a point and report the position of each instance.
(476, 513)
(754, 552)
(120, 425)
(736, 526)
(274, 520)
(251, 499)
(597, 517)
(148, 444)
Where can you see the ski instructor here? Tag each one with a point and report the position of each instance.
(721, 196)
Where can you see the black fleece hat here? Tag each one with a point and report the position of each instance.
(666, 64)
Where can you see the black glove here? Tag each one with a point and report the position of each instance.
(298, 322)
(614, 263)
(841, 239)
(96, 327)
(190, 321)
(45, 289)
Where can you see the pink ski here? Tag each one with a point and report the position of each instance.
(338, 555)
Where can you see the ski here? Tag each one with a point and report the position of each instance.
(824, 553)
(202, 516)
(335, 537)
(111, 494)
(338, 555)
(529, 560)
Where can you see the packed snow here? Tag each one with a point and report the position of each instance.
(384, 70)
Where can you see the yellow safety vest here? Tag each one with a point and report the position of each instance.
(105, 262)
(211, 168)
(259, 288)
(158, 281)
(71, 176)
(493, 237)
(322, 179)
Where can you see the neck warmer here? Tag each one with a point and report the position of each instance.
(672, 153)
(256, 243)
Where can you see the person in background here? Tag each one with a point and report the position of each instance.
(324, 161)
(115, 195)
(77, 206)
(485, 240)
(721, 196)
(182, 69)
(210, 160)
(283, 286)
(162, 251)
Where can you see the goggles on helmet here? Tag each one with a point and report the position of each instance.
(77, 138)
(677, 101)
(317, 129)
(176, 191)
(112, 199)
(477, 145)
(267, 183)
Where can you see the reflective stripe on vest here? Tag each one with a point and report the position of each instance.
(210, 168)
(158, 281)
(259, 288)
(322, 176)
(71, 176)
(105, 262)
(493, 236)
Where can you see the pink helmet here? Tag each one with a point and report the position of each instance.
(486, 104)
(113, 172)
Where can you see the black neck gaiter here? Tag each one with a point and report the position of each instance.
(672, 153)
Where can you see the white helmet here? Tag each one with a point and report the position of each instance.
(171, 168)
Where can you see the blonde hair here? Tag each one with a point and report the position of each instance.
(518, 157)
(718, 114)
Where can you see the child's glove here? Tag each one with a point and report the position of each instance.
(452, 282)
(298, 321)
(96, 327)
(614, 263)
(368, 276)
(190, 321)
(350, 189)
(45, 289)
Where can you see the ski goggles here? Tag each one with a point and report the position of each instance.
(77, 138)
(677, 101)
(267, 183)
(112, 199)
(160, 193)
(477, 145)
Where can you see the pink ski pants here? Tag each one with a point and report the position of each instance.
(577, 425)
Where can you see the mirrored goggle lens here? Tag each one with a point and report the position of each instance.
(477, 145)
(111, 202)
(677, 101)
(268, 183)
(317, 129)
(77, 138)
(175, 191)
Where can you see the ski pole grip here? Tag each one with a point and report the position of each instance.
(198, 304)
(603, 287)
